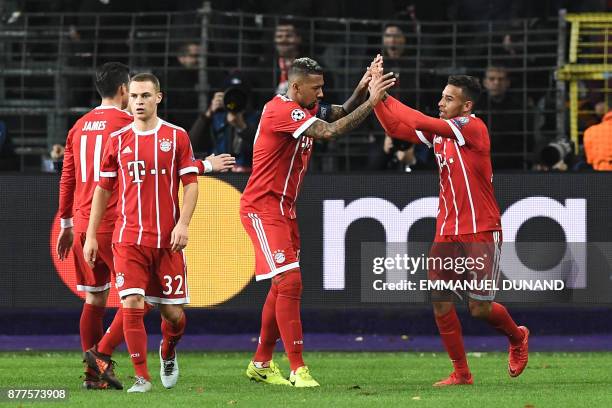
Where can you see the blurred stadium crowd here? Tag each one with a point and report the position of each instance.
(220, 61)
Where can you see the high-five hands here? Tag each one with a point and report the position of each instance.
(379, 82)
(376, 66)
(362, 86)
(378, 87)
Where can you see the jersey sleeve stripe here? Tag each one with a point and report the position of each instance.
(423, 138)
(298, 132)
(173, 126)
(123, 129)
(108, 174)
(457, 132)
(190, 169)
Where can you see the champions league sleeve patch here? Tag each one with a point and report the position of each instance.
(297, 115)
(460, 121)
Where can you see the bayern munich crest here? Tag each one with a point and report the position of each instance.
(165, 145)
(279, 256)
(297, 115)
(119, 280)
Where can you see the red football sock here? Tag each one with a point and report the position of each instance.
(501, 320)
(289, 286)
(91, 325)
(114, 334)
(136, 339)
(269, 333)
(171, 335)
(450, 332)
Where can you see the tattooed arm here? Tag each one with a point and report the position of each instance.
(337, 112)
(321, 129)
(359, 96)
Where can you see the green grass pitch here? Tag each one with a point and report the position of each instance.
(347, 379)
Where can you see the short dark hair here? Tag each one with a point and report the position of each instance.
(497, 68)
(470, 86)
(109, 77)
(146, 77)
(305, 66)
(288, 21)
(401, 27)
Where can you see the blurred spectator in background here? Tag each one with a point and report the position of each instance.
(57, 157)
(397, 60)
(598, 144)
(94, 37)
(228, 125)
(181, 99)
(485, 15)
(188, 55)
(504, 114)
(412, 77)
(386, 153)
(8, 159)
(591, 104)
(287, 43)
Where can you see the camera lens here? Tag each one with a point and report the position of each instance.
(235, 99)
(550, 155)
(555, 152)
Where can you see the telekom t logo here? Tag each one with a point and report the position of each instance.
(136, 169)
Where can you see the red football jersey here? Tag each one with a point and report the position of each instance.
(280, 158)
(463, 151)
(148, 166)
(81, 169)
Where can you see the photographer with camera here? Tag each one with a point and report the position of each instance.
(555, 156)
(228, 125)
(397, 155)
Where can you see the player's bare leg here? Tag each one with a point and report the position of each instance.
(172, 328)
(91, 328)
(518, 336)
(449, 327)
(136, 340)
